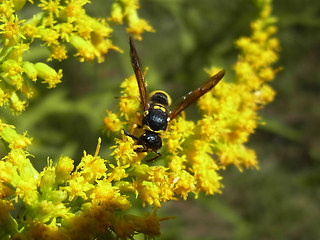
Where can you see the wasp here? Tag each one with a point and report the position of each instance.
(155, 105)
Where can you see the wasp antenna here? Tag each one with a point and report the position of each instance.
(129, 135)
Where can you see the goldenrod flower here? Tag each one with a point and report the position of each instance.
(96, 197)
(58, 24)
(178, 131)
(137, 25)
(124, 152)
(195, 152)
(10, 30)
(128, 9)
(48, 74)
(112, 122)
(7, 223)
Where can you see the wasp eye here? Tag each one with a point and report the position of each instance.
(160, 98)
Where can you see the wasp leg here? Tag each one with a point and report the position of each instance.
(154, 158)
(142, 148)
(129, 135)
(136, 126)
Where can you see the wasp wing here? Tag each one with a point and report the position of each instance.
(193, 96)
(136, 65)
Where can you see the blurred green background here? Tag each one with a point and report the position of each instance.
(282, 199)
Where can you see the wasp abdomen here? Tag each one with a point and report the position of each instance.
(150, 140)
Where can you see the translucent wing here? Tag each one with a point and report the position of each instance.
(136, 65)
(193, 96)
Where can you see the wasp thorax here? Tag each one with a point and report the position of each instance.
(160, 97)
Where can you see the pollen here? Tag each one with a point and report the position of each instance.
(128, 10)
(124, 151)
(10, 30)
(112, 122)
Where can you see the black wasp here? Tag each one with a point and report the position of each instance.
(156, 115)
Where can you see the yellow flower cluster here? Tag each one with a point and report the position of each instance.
(64, 201)
(194, 153)
(127, 9)
(230, 112)
(95, 198)
(57, 24)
